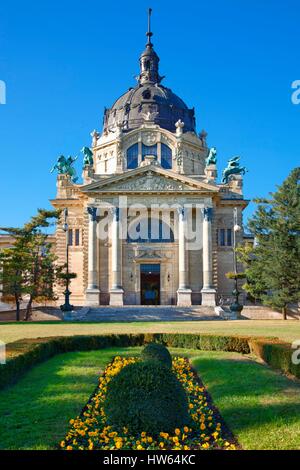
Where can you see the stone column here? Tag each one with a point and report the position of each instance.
(116, 291)
(184, 293)
(208, 292)
(92, 292)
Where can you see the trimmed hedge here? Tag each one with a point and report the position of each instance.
(157, 352)
(276, 354)
(23, 354)
(146, 397)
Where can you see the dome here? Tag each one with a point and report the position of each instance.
(149, 102)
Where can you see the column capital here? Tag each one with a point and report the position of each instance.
(92, 211)
(207, 213)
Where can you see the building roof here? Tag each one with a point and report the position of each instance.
(149, 100)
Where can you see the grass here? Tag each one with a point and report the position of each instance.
(260, 406)
(35, 412)
(287, 330)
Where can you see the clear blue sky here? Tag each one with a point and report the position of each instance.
(63, 61)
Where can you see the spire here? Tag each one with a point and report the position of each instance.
(149, 33)
(149, 59)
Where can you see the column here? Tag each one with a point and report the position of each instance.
(92, 292)
(116, 291)
(184, 293)
(208, 292)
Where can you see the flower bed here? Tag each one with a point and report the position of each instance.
(90, 431)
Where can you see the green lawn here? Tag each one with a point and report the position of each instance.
(260, 406)
(286, 330)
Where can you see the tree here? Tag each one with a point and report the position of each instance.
(273, 263)
(29, 266)
(13, 265)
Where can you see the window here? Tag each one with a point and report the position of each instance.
(77, 237)
(70, 237)
(166, 157)
(222, 237)
(149, 150)
(146, 94)
(229, 237)
(225, 237)
(132, 156)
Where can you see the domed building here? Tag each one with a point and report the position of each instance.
(149, 224)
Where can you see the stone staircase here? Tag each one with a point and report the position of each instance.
(143, 313)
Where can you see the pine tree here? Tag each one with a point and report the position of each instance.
(273, 264)
(28, 268)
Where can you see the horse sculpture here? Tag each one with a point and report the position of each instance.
(233, 168)
(87, 156)
(64, 166)
(211, 159)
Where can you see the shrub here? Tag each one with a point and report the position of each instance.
(157, 352)
(276, 353)
(146, 397)
(24, 354)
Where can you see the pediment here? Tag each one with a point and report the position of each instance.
(148, 179)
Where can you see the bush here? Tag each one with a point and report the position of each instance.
(157, 352)
(146, 397)
(276, 353)
(24, 354)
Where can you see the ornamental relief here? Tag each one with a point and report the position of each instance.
(149, 138)
(150, 182)
(75, 221)
(166, 140)
(128, 141)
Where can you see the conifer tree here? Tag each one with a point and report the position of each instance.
(28, 267)
(273, 264)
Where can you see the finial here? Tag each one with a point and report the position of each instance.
(149, 33)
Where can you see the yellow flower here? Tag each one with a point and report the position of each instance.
(119, 444)
(202, 426)
(177, 431)
(62, 444)
(139, 447)
(186, 429)
(69, 448)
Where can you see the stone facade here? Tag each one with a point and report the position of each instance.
(147, 155)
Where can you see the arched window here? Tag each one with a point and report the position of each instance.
(149, 150)
(132, 156)
(166, 157)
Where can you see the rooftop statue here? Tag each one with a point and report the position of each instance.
(64, 166)
(211, 159)
(233, 168)
(87, 156)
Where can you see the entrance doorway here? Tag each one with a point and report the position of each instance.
(150, 284)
